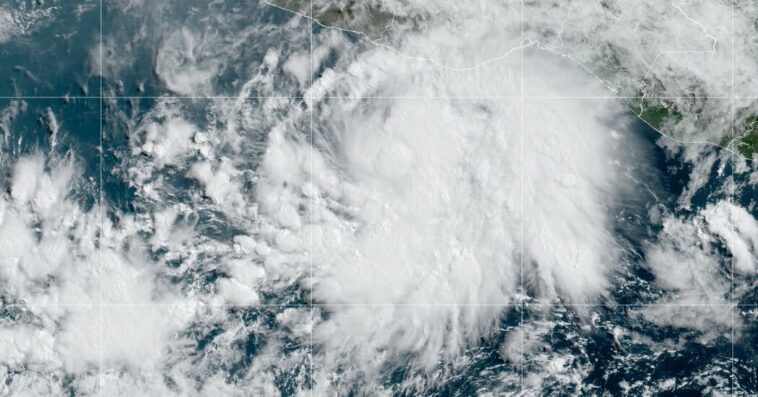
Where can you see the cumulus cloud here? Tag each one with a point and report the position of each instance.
(738, 230)
(177, 64)
(414, 206)
(18, 21)
(60, 265)
(688, 261)
(462, 167)
(411, 218)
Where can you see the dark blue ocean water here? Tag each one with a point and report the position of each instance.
(50, 72)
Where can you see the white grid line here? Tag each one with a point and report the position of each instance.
(312, 204)
(312, 305)
(380, 305)
(733, 376)
(101, 377)
(358, 97)
(521, 192)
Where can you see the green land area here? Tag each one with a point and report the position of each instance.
(354, 15)
(744, 141)
(350, 14)
(747, 139)
(656, 114)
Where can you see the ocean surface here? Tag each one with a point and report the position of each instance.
(160, 158)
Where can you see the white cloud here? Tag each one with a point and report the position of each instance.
(52, 267)
(219, 182)
(184, 66)
(167, 140)
(415, 201)
(414, 198)
(688, 265)
(739, 230)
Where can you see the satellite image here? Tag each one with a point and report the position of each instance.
(378, 198)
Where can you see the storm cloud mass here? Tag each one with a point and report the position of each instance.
(380, 198)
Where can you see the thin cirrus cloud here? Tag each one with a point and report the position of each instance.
(412, 217)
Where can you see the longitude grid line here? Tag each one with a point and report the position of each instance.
(101, 378)
(312, 199)
(311, 305)
(733, 376)
(521, 191)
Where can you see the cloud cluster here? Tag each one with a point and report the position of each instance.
(412, 194)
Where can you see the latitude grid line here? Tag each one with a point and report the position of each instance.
(375, 305)
(312, 305)
(409, 97)
(460, 98)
